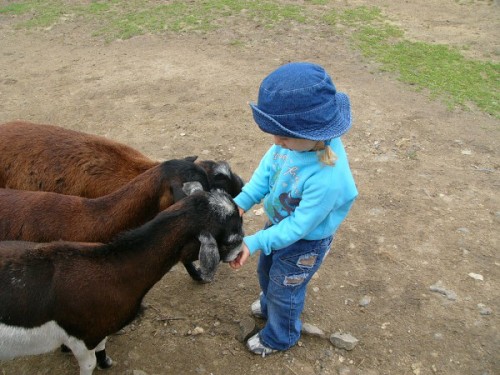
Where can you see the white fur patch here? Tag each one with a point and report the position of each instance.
(222, 205)
(18, 341)
(222, 168)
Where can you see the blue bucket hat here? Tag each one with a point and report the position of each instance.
(299, 100)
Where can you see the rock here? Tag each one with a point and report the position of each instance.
(309, 329)
(438, 288)
(365, 301)
(343, 340)
(476, 276)
(196, 331)
(483, 309)
(247, 328)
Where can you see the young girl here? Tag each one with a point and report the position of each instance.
(308, 189)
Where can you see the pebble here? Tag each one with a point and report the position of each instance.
(312, 330)
(139, 372)
(484, 310)
(365, 301)
(344, 340)
(438, 288)
(196, 331)
(476, 276)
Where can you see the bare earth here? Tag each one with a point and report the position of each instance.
(428, 213)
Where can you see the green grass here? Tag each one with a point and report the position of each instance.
(122, 19)
(440, 69)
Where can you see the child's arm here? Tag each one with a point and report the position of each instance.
(258, 186)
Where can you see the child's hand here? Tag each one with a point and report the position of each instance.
(241, 258)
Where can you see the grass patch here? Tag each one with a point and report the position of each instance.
(442, 70)
(122, 19)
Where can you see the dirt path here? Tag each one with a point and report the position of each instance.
(428, 213)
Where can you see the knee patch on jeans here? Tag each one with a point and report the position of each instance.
(295, 279)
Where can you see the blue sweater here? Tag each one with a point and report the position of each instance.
(303, 198)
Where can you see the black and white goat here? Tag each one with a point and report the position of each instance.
(77, 294)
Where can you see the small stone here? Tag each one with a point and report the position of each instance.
(139, 372)
(438, 288)
(247, 328)
(312, 330)
(416, 367)
(197, 331)
(365, 301)
(484, 310)
(476, 276)
(343, 340)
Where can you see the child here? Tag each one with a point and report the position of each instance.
(308, 189)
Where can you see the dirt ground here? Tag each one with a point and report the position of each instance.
(425, 226)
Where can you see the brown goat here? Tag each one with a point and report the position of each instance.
(51, 158)
(44, 216)
(77, 294)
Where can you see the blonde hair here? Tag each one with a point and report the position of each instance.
(325, 153)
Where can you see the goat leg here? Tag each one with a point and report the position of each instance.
(103, 361)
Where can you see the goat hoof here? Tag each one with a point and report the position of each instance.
(103, 361)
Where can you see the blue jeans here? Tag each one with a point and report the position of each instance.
(283, 278)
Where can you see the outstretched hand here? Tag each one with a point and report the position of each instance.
(241, 258)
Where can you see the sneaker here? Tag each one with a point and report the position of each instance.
(257, 347)
(256, 309)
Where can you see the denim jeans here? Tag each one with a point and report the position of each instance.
(283, 277)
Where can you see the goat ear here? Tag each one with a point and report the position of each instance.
(209, 256)
(191, 187)
(188, 188)
(191, 158)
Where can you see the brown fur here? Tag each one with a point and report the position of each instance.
(45, 216)
(43, 157)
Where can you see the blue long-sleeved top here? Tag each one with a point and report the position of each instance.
(303, 198)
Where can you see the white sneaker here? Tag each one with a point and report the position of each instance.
(256, 309)
(257, 347)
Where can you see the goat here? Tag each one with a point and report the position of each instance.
(39, 281)
(52, 158)
(45, 216)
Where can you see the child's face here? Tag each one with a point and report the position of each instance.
(295, 144)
